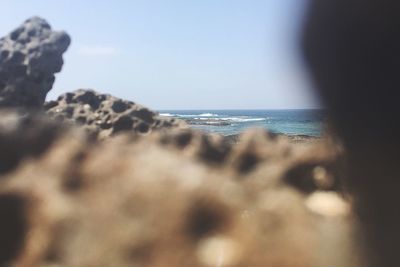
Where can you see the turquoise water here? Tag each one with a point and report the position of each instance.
(228, 122)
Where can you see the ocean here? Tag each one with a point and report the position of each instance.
(230, 122)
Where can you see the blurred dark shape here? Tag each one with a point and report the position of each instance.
(353, 50)
(23, 136)
(14, 224)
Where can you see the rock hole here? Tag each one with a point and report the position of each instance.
(4, 54)
(184, 139)
(143, 127)
(213, 152)
(123, 123)
(300, 176)
(247, 162)
(119, 106)
(140, 254)
(205, 218)
(15, 34)
(13, 227)
(81, 120)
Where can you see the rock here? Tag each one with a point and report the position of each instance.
(207, 121)
(233, 138)
(104, 115)
(139, 200)
(23, 136)
(29, 57)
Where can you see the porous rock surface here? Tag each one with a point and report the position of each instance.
(29, 57)
(176, 198)
(105, 115)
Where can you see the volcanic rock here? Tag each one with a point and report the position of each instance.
(173, 198)
(24, 135)
(29, 57)
(104, 115)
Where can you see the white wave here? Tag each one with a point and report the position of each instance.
(211, 119)
(197, 115)
(252, 119)
(236, 119)
(232, 119)
(187, 115)
(208, 115)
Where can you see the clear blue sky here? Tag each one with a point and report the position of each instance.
(178, 54)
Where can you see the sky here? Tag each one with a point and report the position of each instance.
(178, 54)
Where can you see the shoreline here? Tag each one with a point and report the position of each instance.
(299, 138)
(234, 123)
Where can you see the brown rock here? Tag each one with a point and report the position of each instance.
(167, 199)
(104, 115)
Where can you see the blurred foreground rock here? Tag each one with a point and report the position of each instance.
(172, 198)
(29, 57)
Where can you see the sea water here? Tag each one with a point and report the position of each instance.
(229, 122)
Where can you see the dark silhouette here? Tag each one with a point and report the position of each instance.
(353, 50)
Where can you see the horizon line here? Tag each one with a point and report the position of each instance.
(202, 109)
